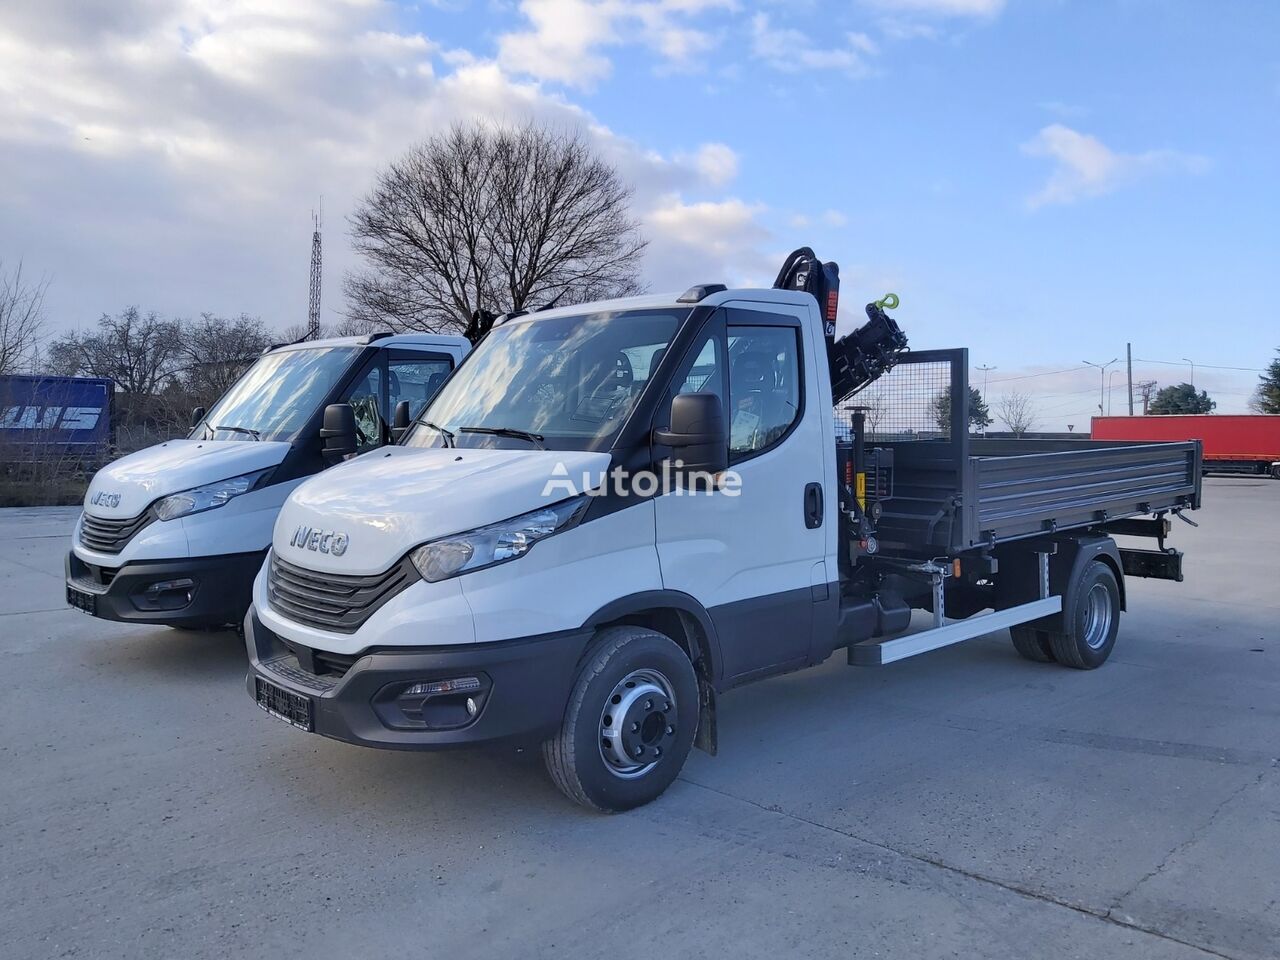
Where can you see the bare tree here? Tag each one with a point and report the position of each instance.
(140, 353)
(480, 220)
(1017, 411)
(21, 319)
(356, 326)
(216, 350)
(349, 325)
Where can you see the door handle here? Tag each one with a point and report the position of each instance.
(813, 505)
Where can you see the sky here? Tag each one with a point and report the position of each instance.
(1041, 181)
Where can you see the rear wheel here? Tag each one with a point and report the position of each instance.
(1275, 472)
(1092, 622)
(629, 723)
(1032, 644)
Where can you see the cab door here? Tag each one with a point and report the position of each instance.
(753, 559)
(416, 376)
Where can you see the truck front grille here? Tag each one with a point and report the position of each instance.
(331, 601)
(110, 536)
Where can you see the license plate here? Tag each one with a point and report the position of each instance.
(82, 600)
(292, 708)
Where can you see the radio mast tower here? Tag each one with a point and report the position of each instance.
(313, 307)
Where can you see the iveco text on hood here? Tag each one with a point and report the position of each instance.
(129, 485)
(383, 505)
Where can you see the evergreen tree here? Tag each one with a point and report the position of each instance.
(1181, 399)
(1267, 398)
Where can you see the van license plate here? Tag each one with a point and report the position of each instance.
(82, 600)
(293, 708)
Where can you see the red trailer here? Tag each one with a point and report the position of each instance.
(1248, 443)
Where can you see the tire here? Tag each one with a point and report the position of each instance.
(1032, 644)
(649, 677)
(1093, 621)
(1275, 472)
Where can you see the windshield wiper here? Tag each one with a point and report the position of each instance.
(534, 438)
(447, 434)
(253, 433)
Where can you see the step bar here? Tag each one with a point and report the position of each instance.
(878, 653)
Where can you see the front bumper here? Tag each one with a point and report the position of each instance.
(527, 686)
(220, 591)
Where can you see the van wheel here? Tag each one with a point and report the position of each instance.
(1093, 621)
(1032, 644)
(629, 723)
(1275, 472)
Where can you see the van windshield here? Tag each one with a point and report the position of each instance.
(277, 395)
(563, 383)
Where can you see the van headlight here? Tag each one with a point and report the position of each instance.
(210, 496)
(496, 543)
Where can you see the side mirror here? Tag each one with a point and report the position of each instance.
(697, 433)
(197, 415)
(400, 421)
(338, 434)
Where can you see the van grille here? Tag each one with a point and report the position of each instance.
(110, 536)
(331, 601)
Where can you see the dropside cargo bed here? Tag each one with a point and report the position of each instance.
(1011, 489)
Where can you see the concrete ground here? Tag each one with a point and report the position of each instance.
(963, 804)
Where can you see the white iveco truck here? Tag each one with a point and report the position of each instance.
(613, 513)
(174, 534)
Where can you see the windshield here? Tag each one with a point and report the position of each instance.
(277, 395)
(563, 383)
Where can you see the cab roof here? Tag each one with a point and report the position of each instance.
(670, 301)
(394, 340)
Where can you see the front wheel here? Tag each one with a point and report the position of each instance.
(1093, 621)
(629, 723)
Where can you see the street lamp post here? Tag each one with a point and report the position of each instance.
(1102, 387)
(1193, 370)
(1111, 380)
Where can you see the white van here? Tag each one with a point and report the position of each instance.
(174, 534)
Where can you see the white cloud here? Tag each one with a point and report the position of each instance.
(1086, 167)
(896, 28)
(169, 152)
(707, 242)
(790, 51)
(945, 8)
(564, 37)
(834, 218)
(717, 163)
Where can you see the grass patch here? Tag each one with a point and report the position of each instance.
(57, 492)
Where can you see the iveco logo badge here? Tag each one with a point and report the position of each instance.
(104, 499)
(322, 541)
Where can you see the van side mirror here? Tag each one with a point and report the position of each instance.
(400, 421)
(338, 432)
(697, 433)
(197, 414)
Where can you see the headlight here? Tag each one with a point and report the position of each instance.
(209, 496)
(496, 543)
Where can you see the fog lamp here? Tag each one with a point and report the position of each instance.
(165, 594)
(456, 685)
(446, 704)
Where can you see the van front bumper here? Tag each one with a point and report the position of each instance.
(189, 592)
(519, 692)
